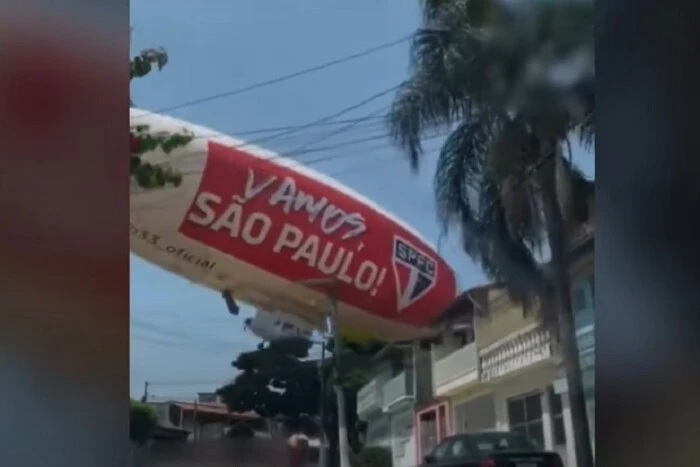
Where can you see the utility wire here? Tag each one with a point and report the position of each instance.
(296, 129)
(309, 163)
(322, 124)
(343, 129)
(289, 76)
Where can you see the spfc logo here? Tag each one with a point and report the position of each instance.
(415, 272)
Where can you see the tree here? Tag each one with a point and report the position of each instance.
(147, 175)
(279, 382)
(142, 422)
(491, 75)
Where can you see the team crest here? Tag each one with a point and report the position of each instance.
(415, 272)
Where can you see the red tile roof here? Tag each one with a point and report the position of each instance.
(216, 409)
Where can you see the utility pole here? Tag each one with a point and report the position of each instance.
(343, 447)
(322, 407)
(195, 425)
(329, 284)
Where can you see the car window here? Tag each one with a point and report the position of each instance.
(459, 449)
(490, 442)
(442, 450)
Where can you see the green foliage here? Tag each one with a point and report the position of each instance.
(277, 381)
(148, 175)
(142, 422)
(143, 63)
(241, 430)
(355, 362)
(372, 456)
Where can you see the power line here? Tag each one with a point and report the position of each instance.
(309, 163)
(296, 129)
(343, 129)
(322, 124)
(327, 118)
(289, 76)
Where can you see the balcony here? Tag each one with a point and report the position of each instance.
(398, 390)
(369, 398)
(456, 370)
(530, 346)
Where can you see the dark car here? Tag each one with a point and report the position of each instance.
(490, 449)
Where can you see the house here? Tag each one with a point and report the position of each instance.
(459, 404)
(401, 381)
(202, 418)
(498, 368)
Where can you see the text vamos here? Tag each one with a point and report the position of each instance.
(250, 218)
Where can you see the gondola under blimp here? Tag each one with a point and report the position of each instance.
(263, 229)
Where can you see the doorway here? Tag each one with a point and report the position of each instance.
(433, 426)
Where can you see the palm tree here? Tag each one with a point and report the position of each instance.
(512, 84)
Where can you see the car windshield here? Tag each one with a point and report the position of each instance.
(490, 442)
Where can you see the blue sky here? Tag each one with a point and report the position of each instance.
(183, 340)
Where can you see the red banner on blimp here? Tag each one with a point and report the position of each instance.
(297, 227)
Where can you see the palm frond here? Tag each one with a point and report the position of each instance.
(459, 168)
(436, 94)
(504, 258)
(586, 131)
(468, 196)
(437, 10)
(582, 191)
(421, 105)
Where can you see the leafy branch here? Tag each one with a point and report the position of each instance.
(142, 140)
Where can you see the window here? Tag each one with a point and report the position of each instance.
(583, 295)
(487, 443)
(582, 302)
(525, 417)
(557, 417)
(463, 336)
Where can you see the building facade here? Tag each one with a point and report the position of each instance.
(583, 299)
(402, 380)
(498, 368)
(518, 365)
(495, 367)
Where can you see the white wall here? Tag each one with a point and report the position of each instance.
(403, 446)
(385, 430)
(378, 431)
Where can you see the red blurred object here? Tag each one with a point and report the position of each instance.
(488, 463)
(64, 279)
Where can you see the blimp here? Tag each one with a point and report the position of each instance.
(263, 229)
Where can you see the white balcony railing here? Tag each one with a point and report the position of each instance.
(369, 397)
(398, 388)
(455, 366)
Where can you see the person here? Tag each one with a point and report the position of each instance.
(297, 447)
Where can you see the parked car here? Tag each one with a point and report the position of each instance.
(490, 449)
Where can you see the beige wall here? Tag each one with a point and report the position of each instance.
(503, 319)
